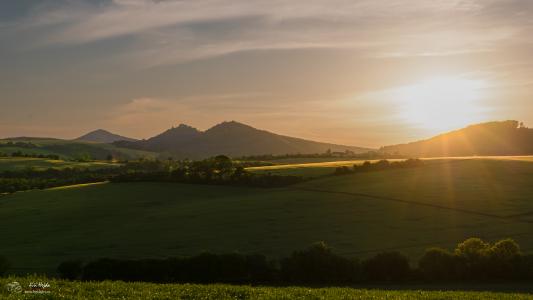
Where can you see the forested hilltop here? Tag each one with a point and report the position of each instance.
(492, 138)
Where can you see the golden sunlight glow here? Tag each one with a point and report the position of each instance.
(442, 103)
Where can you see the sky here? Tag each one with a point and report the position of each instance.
(356, 72)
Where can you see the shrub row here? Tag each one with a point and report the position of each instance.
(30, 155)
(472, 260)
(383, 164)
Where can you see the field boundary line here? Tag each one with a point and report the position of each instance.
(418, 203)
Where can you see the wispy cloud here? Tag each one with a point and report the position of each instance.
(175, 31)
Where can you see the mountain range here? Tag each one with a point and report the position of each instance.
(237, 139)
(230, 138)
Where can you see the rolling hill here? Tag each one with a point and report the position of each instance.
(359, 215)
(68, 149)
(492, 138)
(103, 136)
(230, 138)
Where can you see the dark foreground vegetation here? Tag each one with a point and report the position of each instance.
(378, 166)
(472, 261)
(114, 290)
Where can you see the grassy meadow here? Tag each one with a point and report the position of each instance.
(360, 214)
(60, 289)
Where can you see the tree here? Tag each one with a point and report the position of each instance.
(437, 264)
(504, 259)
(472, 257)
(223, 165)
(505, 250)
(472, 249)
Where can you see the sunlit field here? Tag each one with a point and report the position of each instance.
(359, 215)
(310, 168)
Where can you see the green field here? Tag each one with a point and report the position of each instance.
(361, 214)
(308, 169)
(71, 149)
(22, 163)
(120, 290)
(316, 167)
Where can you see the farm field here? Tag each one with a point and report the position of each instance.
(22, 163)
(308, 169)
(69, 149)
(359, 215)
(121, 290)
(311, 168)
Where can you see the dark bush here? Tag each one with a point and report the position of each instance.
(525, 270)
(437, 265)
(387, 266)
(342, 170)
(473, 260)
(504, 259)
(4, 265)
(319, 265)
(204, 268)
(70, 270)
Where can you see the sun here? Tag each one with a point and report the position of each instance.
(442, 103)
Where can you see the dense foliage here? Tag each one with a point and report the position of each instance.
(473, 260)
(216, 170)
(219, 170)
(19, 153)
(379, 165)
(349, 155)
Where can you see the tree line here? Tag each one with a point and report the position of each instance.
(219, 170)
(379, 165)
(30, 155)
(328, 154)
(473, 260)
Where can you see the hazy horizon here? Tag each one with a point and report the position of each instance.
(204, 129)
(362, 73)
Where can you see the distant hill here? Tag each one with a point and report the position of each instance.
(230, 138)
(492, 138)
(103, 136)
